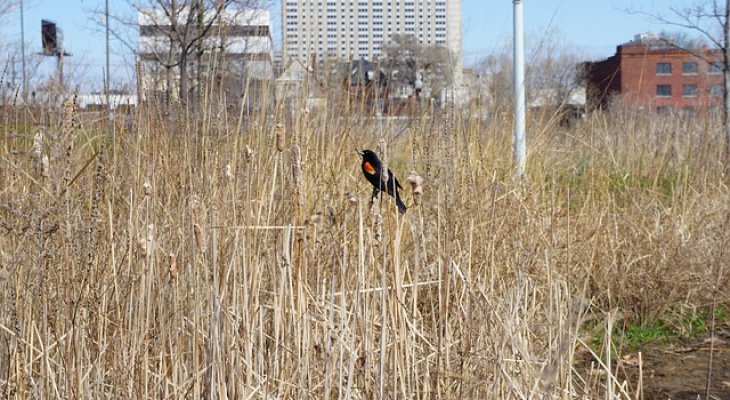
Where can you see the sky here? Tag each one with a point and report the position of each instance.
(589, 28)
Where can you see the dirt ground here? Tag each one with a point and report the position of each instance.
(678, 371)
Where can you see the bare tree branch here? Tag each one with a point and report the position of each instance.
(176, 30)
(408, 62)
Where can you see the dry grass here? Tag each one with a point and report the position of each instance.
(208, 258)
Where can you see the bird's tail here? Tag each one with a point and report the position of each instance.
(399, 203)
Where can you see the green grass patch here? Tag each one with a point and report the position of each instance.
(679, 326)
(663, 184)
(637, 335)
(623, 186)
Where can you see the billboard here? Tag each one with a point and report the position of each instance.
(49, 36)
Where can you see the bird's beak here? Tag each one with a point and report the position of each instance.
(360, 153)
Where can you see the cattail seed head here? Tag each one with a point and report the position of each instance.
(199, 239)
(416, 182)
(173, 267)
(68, 121)
(45, 166)
(194, 203)
(37, 152)
(280, 130)
(296, 168)
(142, 247)
(247, 154)
(145, 245)
(383, 148)
(197, 231)
(377, 228)
(37, 146)
(147, 188)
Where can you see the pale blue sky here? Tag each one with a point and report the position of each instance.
(591, 28)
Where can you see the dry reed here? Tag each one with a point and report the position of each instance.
(488, 290)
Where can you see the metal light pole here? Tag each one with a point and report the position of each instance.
(22, 55)
(518, 86)
(108, 71)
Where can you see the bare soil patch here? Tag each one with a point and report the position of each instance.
(678, 370)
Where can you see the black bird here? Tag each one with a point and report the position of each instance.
(372, 169)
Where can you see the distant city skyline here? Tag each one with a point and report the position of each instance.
(590, 29)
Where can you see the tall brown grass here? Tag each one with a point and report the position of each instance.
(197, 256)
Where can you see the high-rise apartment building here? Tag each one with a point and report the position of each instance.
(357, 29)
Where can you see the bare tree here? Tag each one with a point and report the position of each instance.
(682, 40)
(10, 57)
(496, 68)
(553, 69)
(178, 27)
(710, 19)
(174, 34)
(552, 76)
(421, 67)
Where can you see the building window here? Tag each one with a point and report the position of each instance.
(689, 90)
(664, 90)
(689, 68)
(716, 68)
(716, 90)
(663, 69)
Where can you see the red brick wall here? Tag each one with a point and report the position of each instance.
(638, 78)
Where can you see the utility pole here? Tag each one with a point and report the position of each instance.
(22, 55)
(518, 86)
(59, 67)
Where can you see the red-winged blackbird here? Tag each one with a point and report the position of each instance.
(372, 169)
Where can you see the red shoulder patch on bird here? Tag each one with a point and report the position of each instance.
(368, 168)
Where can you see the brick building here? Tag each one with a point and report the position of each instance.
(649, 73)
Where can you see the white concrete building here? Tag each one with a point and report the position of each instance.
(242, 36)
(357, 29)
